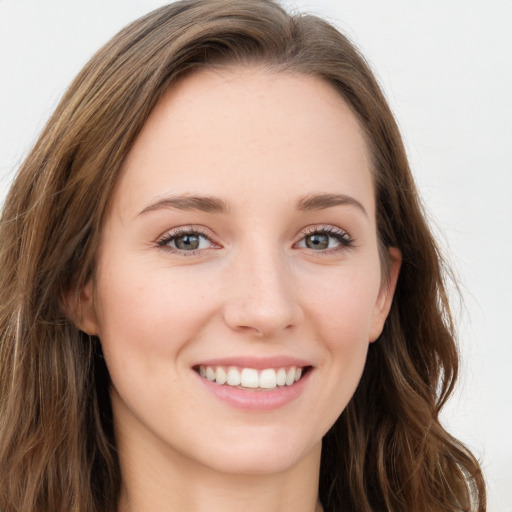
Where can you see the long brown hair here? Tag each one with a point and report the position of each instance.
(387, 451)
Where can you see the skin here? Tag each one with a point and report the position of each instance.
(260, 142)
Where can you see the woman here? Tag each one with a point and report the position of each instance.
(218, 286)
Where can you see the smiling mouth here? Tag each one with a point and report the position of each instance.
(251, 378)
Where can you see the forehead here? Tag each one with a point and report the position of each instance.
(251, 129)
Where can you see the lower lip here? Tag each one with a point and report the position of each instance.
(253, 399)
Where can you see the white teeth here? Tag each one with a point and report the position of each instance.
(281, 377)
(290, 376)
(220, 375)
(233, 376)
(268, 378)
(249, 378)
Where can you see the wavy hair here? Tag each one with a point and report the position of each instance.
(386, 452)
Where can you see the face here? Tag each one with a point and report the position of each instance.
(238, 281)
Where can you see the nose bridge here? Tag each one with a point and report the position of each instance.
(262, 298)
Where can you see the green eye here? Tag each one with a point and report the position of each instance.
(317, 241)
(325, 239)
(185, 242)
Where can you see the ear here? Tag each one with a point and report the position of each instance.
(386, 292)
(79, 307)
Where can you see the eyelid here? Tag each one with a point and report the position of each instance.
(346, 241)
(178, 231)
(325, 228)
(344, 238)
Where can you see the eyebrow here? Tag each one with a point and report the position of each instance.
(208, 204)
(314, 202)
(189, 203)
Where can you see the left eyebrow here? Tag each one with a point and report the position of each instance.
(315, 202)
(189, 203)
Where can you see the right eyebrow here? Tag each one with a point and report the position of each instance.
(207, 204)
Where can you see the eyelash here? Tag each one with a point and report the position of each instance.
(166, 239)
(342, 237)
(344, 240)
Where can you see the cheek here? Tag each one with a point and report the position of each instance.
(341, 312)
(147, 319)
(156, 311)
(343, 306)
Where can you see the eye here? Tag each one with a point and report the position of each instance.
(325, 239)
(185, 241)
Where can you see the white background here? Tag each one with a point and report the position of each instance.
(446, 67)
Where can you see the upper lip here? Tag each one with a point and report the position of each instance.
(258, 363)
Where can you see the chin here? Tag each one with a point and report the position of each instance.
(260, 453)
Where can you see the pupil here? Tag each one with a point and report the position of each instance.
(187, 242)
(317, 241)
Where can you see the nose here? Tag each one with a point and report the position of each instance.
(262, 297)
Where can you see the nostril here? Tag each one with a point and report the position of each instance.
(260, 320)
(262, 301)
